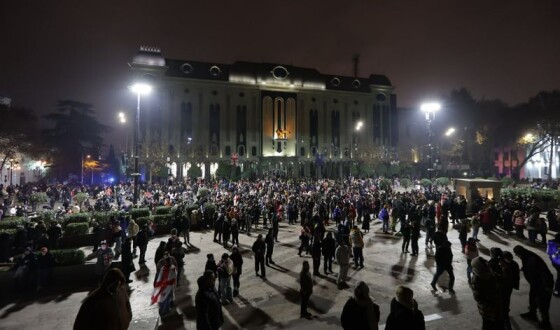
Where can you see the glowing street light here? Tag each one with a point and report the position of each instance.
(450, 131)
(122, 117)
(430, 110)
(359, 125)
(139, 89)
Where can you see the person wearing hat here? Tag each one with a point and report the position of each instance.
(360, 312)
(541, 284)
(105, 257)
(404, 311)
(486, 293)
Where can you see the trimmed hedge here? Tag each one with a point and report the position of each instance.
(77, 218)
(12, 222)
(138, 213)
(163, 219)
(163, 210)
(209, 210)
(142, 221)
(76, 229)
(103, 218)
(10, 232)
(69, 257)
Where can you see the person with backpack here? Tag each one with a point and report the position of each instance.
(553, 252)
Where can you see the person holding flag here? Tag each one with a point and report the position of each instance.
(164, 286)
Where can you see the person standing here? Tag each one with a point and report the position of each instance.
(329, 246)
(486, 293)
(142, 243)
(237, 259)
(306, 288)
(316, 255)
(510, 271)
(105, 257)
(164, 286)
(541, 282)
(414, 236)
(107, 307)
(357, 242)
(384, 216)
(430, 231)
(405, 231)
(209, 315)
(225, 269)
(259, 249)
(404, 312)
(127, 266)
(471, 252)
(45, 264)
(360, 312)
(475, 223)
(343, 259)
(553, 251)
(234, 229)
(444, 260)
(132, 231)
(218, 225)
(226, 231)
(269, 240)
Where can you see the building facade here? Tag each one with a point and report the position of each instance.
(264, 117)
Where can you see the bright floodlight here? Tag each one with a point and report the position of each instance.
(430, 107)
(359, 125)
(122, 120)
(450, 131)
(140, 88)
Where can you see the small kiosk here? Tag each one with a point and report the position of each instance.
(471, 188)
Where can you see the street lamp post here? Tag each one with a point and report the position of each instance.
(430, 110)
(139, 89)
(83, 165)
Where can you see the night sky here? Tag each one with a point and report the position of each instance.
(506, 49)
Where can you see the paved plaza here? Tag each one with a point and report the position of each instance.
(274, 303)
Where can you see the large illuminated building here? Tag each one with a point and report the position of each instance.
(267, 118)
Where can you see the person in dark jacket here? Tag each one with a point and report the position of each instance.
(218, 228)
(160, 252)
(306, 288)
(487, 294)
(226, 231)
(405, 231)
(237, 259)
(127, 266)
(510, 281)
(541, 282)
(142, 242)
(55, 233)
(209, 315)
(45, 264)
(404, 312)
(360, 312)
(316, 255)
(269, 240)
(107, 307)
(259, 249)
(25, 267)
(329, 247)
(444, 260)
(211, 264)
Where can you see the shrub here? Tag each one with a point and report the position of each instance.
(406, 183)
(163, 210)
(442, 181)
(103, 218)
(142, 221)
(38, 197)
(10, 232)
(77, 218)
(384, 184)
(137, 213)
(80, 198)
(506, 181)
(425, 183)
(209, 211)
(48, 216)
(202, 192)
(69, 257)
(163, 219)
(76, 229)
(12, 222)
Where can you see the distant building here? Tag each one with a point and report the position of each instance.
(268, 117)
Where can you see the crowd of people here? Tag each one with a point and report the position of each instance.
(333, 217)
